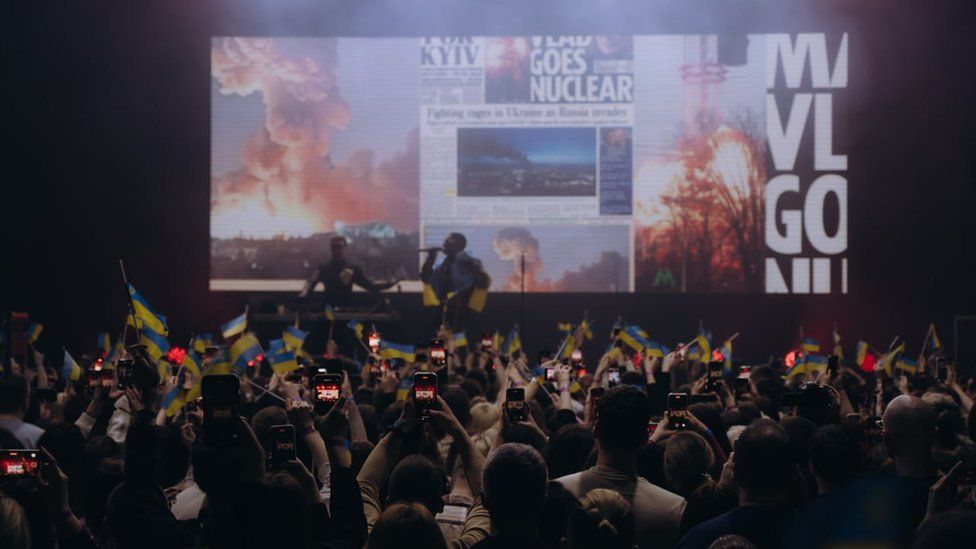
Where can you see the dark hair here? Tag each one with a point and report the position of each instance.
(417, 479)
(360, 450)
(264, 420)
(514, 487)
(687, 459)
(799, 429)
(457, 400)
(555, 513)
(13, 394)
(622, 415)
(405, 524)
(472, 388)
(568, 449)
(523, 434)
(710, 414)
(835, 454)
(461, 239)
(104, 478)
(762, 457)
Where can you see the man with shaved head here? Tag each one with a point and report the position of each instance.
(908, 427)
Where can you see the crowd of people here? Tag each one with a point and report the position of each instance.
(515, 451)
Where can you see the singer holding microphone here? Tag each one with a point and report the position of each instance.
(454, 279)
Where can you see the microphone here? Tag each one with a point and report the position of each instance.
(429, 250)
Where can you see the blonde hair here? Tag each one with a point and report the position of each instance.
(483, 416)
(606, 521)
(14, 528)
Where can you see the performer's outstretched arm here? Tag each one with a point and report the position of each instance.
(310, 284)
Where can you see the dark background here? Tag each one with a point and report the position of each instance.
(106, 155)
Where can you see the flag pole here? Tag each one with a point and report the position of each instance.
(132, 308)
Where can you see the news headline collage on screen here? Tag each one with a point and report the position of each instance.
(649, 164)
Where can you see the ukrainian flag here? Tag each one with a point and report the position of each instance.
(430, 296)
(587, 329)
(496, 341)
(815, 363)
(512, 343)
(115, 353)
(704, 347)
(174, 400)
(862, 352)
(906, 364)
(156, 344)
(70, 370)
(727, 354)
(276, 346)
(191, 362)
(403, 388)
(460, 340)
(887, 362)
(394, 350)
(294, 337)
(810, 345)
(564, 327)
(145, 313)
(235, 326)
(104, 342)
(838, 350)
(356, 327)
(798, 368)
(201, 342)
(244, 350)
(634, 337)
(655, 349)
(219, 364)
(568, 347)
(329, 313)
(283, 362)
(34, 331)
(934, 344)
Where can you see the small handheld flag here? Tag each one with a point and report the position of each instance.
(235, 326)
(243, 351)
(394, 350)
(145, 313)
(104, 342)
(810, 345)
(283, 362)
(34, 331)
(356, 327)
(70, 369)
(460, 340)
(294, 337)
(156, 344)
(329, 313)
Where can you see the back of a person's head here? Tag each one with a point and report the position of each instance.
(732, 541)
(948, 417)
(66, 444)
(459, 403)
(483, 416)
(288, 507)
(471, 388)
(514, 487)
(360, 450)
(603, 519)
(417, 479)
(406, 525)
(567, 450)
(106, 475)
(909, 424)
(622, 415)
(762, 459)
(264, 420)
(556, 510)
(523, 434)
(947, 530)
(15, 532)
(13, 394)
(799, 429)
(835, 455)
(687, 460)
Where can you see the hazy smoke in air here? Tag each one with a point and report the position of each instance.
(510, 244)
(474, 144)
(289, 184)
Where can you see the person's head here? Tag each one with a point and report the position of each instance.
(337, 245)
(514, 488)
(835, 456)
(406, 525)
(603, 519)
(523, 434)
(483, 416)
(13, 395)
(459, 403)
(800, 429)
(264, 420)
(948, 418)
(687, 460)
(762, 465)
(455, 243)
(417, 479)
(622, 415)
(908, 426)
(732, 541)
(568, 449)
(105, 476)
(14, 528)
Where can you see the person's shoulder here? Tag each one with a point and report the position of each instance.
(32, 429)
(655, 491)
(572, 482)
(705, 533)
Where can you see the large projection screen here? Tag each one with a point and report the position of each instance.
(652, 164)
